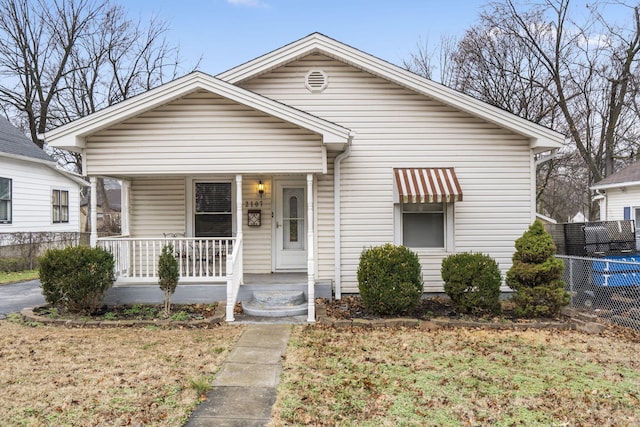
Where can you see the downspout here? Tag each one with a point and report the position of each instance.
(336, 215)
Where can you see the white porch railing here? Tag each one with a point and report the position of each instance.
(234, 278)
(199, 259)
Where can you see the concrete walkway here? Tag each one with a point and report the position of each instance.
(244, 389)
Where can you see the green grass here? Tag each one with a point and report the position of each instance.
(20, 276)
(458, 378)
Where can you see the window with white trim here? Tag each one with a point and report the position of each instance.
(212, 210)
(60, 206)
(424, 225)
(5, 200)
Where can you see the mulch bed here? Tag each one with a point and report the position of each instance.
(352, 307)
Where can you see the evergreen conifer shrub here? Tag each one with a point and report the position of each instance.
(76, 278)
(168, 275)
(472, 281)
(390, 279)
(536, 274)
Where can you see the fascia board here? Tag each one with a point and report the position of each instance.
(614, 185)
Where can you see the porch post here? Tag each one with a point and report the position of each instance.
(239, 227)
(311, 317)
(124, 208)
(93, 241)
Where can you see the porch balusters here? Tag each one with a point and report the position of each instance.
(199, 259)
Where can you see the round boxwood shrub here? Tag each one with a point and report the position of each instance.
(472, 281)
(389, 279)
(75, 278)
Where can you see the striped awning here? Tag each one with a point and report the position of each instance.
(427, 185)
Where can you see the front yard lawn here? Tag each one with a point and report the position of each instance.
(458, 378)
(20, 276)
(56, 376)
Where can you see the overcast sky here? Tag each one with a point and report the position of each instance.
(227, 33)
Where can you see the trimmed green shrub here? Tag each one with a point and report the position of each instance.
(536, 275)
(76, 278)
(472, 281)
(389, 279)
(168, 275)
(13, 265)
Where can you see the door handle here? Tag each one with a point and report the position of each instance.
(277, 224)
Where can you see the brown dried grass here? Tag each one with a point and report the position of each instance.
(458, 377)
(89, 377)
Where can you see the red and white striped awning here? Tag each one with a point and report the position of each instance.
(427, 185)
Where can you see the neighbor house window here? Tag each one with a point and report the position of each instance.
(423, 225)
(5, 201)
(60, 206)
(212, 211)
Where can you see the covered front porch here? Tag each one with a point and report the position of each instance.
(192, 155)
(276, 244)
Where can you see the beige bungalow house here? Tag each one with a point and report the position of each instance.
(296, 161)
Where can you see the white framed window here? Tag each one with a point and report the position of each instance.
(424, 225)
(5, 200)
(212, 209)
(60, 206)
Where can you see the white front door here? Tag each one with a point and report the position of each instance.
(290, 225)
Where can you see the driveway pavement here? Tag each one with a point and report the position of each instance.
(16, 296)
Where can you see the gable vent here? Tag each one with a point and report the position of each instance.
(316, 81)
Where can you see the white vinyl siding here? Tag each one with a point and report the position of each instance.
(32, 184)
(325, 223)
(257, 240)
(157, 206)
(396, 127)
(618, 199)
(201, 133)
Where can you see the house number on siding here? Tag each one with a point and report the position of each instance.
(253, 204)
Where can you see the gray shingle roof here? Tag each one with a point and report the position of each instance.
(629, 174)
(12, 141)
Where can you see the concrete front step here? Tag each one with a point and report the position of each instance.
(276, 304)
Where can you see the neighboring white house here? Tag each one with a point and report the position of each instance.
(299, 159)
(35, 196)
(619, 194)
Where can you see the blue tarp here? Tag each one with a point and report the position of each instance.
(624, 271)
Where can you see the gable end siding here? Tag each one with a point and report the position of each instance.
(203, 133)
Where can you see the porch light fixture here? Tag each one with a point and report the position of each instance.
(260, 188)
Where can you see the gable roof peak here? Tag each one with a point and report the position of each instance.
(541, 138)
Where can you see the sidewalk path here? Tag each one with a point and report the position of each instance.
(244, 389)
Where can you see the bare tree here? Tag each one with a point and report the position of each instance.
(434, 63)
(64, 59)
(572, 69)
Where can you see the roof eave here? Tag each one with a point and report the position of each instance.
(28, 159)
(614, 185)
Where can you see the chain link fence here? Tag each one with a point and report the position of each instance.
(608, 287)
(20, 251)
